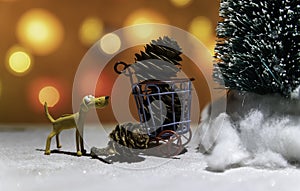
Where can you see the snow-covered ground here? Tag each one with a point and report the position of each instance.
(24, 167)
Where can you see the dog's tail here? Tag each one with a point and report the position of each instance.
(47, 113)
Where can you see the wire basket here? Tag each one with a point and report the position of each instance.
(164, 105)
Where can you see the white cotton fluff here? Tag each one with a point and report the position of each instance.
(227, 147)
(228, 150)
(266, 159)
(258, 140)
(275, 133)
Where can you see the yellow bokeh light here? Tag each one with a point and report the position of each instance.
(181, 3)
(110, 43)
(40, 31)
(19, 61)
(143, 17)
(50, 95)
(144, 30)
(90, 30)
(202, 28)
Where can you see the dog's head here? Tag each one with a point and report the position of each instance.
(95, 102)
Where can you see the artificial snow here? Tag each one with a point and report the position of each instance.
(263, 137)
(296, 93)
(24, 167)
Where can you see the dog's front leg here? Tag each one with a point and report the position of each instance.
(82, 143)
(77, 138)
(81, 121)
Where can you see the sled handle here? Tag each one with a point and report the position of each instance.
(124, 67)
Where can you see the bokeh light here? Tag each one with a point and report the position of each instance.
(90, 30)
(50, 95)
(181, 3)
(19, 61)
(202, 28)
(40, 31)
(61, 90)
(144, 16)
(110, 43)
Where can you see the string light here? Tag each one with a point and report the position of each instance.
(90, 30)
(19, 61)
(110, 43)
(40, 31)
(50, 95)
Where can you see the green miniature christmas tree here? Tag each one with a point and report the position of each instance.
(258, 46)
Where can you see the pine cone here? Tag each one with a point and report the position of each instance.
(159, 61)
(126, 140)
(163, 49)
(130, 135)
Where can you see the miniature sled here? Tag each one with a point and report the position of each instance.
(164, 113)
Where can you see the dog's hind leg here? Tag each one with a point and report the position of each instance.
(48, 142)
(58, 145)
(79, 153)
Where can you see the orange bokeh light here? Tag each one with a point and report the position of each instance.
(49, 90)
(50, 95)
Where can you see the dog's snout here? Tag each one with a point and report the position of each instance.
(106, 97)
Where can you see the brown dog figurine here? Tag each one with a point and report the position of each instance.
(75, 120)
